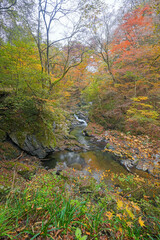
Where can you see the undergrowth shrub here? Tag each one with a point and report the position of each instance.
(46, 209)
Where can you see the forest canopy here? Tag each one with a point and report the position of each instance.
(111, 57)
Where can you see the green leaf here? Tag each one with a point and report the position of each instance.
(84, 237)
(78, 233)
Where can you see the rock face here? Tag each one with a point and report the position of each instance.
(31, 145)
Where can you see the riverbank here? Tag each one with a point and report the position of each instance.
(65, 203)
(139, 152)
(70, 205)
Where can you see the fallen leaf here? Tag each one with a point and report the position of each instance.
(141, 222)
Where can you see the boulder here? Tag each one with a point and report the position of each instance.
(142, 165)
(31, 144)
(127, 164)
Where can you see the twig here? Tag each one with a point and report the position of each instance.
(18, 156)
(86, 192)
(132, 191)
(13, 181)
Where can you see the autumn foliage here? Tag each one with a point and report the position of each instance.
(131, 103)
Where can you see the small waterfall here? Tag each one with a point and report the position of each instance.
(82, 121)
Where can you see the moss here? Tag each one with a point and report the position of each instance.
(2, 135)
(20, 136)
(3, 191)
(9, 165)
(39, 131)
(8, 151)
(26, 174)
(23, 117)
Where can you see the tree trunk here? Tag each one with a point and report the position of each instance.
(48, 70)
(38, 36)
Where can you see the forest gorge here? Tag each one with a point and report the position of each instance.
(64, 63)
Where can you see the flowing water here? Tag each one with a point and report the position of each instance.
(93, 158)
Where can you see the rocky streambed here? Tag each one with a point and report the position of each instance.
(105, 150)
(135, 153)
(90, 146)
(88, 149)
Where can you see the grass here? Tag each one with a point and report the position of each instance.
(54, 207)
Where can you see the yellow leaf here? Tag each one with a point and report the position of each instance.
(130, 213)
(109, 215)
(129, 224)
(136, 207)
(119, 204)
(141, 222)
(119, 215)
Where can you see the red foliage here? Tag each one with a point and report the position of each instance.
(136, 25)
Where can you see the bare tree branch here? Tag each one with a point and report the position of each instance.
(8, 7)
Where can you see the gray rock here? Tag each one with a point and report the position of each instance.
(111, 147)
(31, 145)
(134, 161)
(128, 164)
(142, 166)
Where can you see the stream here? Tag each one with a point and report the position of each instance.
(93, 161)
(93, 158)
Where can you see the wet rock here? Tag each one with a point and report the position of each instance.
(58, 172)
(76, 166)
(134, 161)
(128, 164)
(68, 149)
(31, 145)
(142, 166)
(82, 115)
(154, 168)
(102, 139)
(111, 147)
(86, 134)
(136, 150)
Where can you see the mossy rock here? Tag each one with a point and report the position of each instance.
(8, 151)
(26, 174)
(32, 144)
(2, 135)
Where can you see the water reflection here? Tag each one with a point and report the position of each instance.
(93, 158)
(97, 161)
